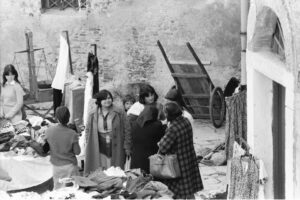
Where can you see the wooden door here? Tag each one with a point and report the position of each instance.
(278, 128)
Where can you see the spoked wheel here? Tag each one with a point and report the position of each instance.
(217, 107)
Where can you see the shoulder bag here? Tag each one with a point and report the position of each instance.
(164, 166)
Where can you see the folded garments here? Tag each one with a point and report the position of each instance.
(105, 182)
(137, 184)
(5, 146)
(38, 148)
(115, 171)
(84, 182)
(5, 137)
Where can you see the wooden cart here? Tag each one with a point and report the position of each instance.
(201, 97)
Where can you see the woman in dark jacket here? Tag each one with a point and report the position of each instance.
(147, 96)
(147, 130)
(178, 140)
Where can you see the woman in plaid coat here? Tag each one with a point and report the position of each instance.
(178, 140)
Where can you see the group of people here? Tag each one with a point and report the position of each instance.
(139, 129)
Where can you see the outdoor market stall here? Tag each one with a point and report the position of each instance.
(113, 183)
(22, 163)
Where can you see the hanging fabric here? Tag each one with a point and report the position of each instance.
(263, 178)
(58, 82)
(236, 117)
(88, 95)
(244, 178)
(57, 98)
(62, 65)
(93, 66)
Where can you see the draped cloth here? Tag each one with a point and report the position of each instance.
(62, 65)
(93, 66)
(59, 79)
(236, 121)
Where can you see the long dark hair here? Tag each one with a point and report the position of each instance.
(102, 95)
(145, 90)
(10, 68)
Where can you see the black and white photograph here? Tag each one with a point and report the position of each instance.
(149, 99)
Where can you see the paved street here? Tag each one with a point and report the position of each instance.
(214, 177)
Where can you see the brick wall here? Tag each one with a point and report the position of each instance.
(126, 32)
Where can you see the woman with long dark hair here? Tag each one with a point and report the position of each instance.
(147, 96)
(11, 95)
(105, 134)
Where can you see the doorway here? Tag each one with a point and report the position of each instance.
(278, 132)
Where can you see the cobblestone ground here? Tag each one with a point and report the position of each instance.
(213, 177)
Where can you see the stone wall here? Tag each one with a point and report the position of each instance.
(126, 32)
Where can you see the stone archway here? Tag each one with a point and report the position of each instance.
(264, 68)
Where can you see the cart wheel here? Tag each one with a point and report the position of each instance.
(217, 107)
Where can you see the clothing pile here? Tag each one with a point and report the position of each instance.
(139, 187)
(25, 137)
(106, 185)
(143, 187)
(114, 183)
(6, 131)
(215, 156)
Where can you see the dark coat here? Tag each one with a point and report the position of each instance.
(92, 158)
(178, 140)
(93, 66)
(130, 119)
(144, 143)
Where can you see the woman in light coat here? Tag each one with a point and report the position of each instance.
(11, 100)
(105, 135)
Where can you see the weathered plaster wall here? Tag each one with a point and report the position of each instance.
(262, 101)
(262, 63)
(295, 7)
(260, 113)
(126, 33)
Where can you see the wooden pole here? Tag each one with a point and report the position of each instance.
(244, 19)
(66, 35)
(200, 64)
(31, 65)
(180, 89)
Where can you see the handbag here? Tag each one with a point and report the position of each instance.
(164, 166)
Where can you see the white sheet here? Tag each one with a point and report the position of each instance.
(62, 65)
(25, 171)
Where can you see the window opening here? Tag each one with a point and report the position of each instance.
(278, 41)
(63, 4)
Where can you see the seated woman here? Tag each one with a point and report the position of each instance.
(147, 96)
(147, 130)
(11, 99)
